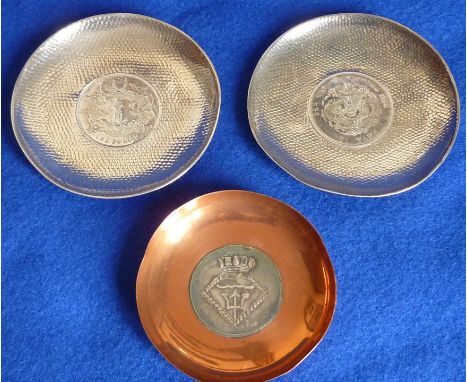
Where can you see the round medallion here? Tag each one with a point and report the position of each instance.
(117, 109)
(235, 290)
(350, 108)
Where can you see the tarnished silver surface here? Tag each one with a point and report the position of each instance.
(354, 104)
(235, 290)
(116, 105)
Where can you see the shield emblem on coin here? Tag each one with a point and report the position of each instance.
(234, 293)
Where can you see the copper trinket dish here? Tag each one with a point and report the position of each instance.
(235, 286)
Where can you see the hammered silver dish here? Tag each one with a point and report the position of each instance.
(116, 105)
(354, 104)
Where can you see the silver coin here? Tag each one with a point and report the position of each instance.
(235, 290)
(350, 108)
(118, 109)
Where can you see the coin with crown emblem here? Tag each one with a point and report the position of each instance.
(235, 290)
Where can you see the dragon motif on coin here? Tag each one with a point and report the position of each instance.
(350, 108)
(118, 109)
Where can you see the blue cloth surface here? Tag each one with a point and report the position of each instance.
(69, 263)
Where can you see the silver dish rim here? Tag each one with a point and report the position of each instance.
(398, 191)
(146, 190)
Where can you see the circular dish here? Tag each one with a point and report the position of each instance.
(354, 104)
(115, 105)
(235, 286)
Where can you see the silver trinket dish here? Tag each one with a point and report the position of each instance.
(116, 105)
(354, 104)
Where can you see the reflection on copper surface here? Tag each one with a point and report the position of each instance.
(210, 222)
(312, 314)
(179, 222)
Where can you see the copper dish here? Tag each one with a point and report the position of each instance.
(249, 318)
(354, 104)
(115, 105)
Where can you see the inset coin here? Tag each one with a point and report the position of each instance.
(235, 290)
(117, 109)
(350, 108)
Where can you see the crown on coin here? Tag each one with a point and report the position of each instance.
(236, 263)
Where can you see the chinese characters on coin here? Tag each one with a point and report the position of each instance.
(235, 290)
(117, 109)
(350, 108)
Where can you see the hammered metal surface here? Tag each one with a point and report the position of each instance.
(354, 104)
(148, 101)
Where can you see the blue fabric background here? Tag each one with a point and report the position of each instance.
(70, 262)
